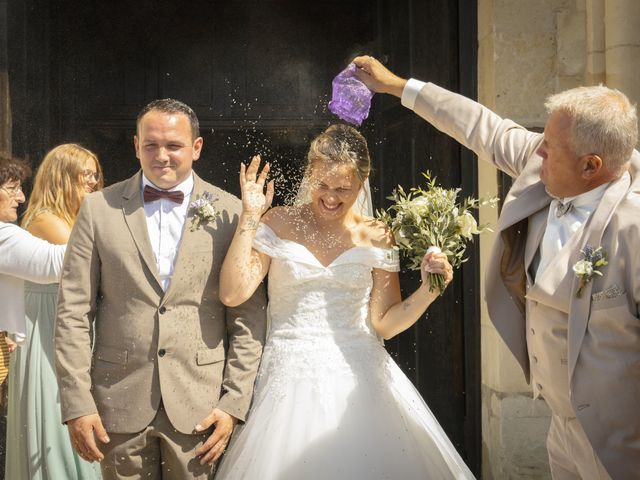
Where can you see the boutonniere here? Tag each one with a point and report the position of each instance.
(202, 210)
(591, 259)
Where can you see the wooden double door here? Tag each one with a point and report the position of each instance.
(258, 74)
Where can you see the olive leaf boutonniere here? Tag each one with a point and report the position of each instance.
(203, 211)
(591, 259)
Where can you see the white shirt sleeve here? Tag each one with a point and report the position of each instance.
(410, 92)
(27, 257)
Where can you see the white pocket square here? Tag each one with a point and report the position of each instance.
(612, 292)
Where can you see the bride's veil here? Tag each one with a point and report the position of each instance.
(364, 206)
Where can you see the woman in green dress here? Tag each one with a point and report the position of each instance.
(38, 445)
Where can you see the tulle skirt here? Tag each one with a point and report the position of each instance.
(365, 421)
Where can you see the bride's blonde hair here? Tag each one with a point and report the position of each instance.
(339, 143)
(59, 185)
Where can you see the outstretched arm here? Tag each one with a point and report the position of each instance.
(502, 142)
(390, 315)
(244, 268)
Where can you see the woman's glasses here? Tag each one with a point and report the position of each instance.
(88, 174)
(13, 191)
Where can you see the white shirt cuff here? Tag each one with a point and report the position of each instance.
(410, 92)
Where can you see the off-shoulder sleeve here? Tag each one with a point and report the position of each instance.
(383, 258)
(267, 241)
(389, 259)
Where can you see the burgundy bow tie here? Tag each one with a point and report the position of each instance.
(150, 194)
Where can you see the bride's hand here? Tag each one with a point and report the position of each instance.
(254, 197)
(436, 263)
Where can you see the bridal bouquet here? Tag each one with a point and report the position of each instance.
(432, 217)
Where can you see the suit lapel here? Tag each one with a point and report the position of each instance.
(532, 199)
(592, 235)
(513, 225)
(136, 220)
(553, 286)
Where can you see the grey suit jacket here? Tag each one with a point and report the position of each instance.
(603, 333)
(123, 345)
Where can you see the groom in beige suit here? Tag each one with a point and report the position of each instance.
(575, 186)
(154, 371)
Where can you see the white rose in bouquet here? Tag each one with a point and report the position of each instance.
(468, 225)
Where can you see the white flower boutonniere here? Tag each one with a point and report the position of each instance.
(202, 211)
(591, 259)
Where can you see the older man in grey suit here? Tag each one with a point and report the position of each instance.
(149, 361)
(575, 333)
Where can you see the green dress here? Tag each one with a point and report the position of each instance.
(38, 445)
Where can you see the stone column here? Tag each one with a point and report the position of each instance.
(596, 65)
(622, 40)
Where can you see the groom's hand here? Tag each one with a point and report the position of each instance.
(214, 446)
(83, 432)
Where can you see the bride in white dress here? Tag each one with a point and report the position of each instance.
(329, 401)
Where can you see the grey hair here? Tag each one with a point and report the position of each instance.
(603, 122)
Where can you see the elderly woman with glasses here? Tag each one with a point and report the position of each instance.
(22, 256)
(38, 445)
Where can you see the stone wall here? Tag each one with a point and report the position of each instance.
(527, 50)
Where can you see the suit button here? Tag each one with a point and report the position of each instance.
(539, 386)
(533, 332)
(162, 309)
(534, 359)
(161, 352)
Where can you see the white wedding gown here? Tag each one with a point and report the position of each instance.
(329, 401)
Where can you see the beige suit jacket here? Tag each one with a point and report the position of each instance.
(123, 345)
(603, 333)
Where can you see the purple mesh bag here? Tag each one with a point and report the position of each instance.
(350, 99)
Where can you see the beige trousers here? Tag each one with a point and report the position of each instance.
(571, 456)
(157, 452)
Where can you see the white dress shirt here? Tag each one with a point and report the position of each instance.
(410, 92)
(165, 223)
(561, 228)
(23, 257)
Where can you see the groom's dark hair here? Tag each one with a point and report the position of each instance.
(170, 105)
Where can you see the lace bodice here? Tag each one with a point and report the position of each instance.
(319, 315)
(308, 299)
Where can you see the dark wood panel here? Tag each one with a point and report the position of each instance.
(441, 353)
(258, 74)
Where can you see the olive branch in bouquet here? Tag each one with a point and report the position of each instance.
(431, 216)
